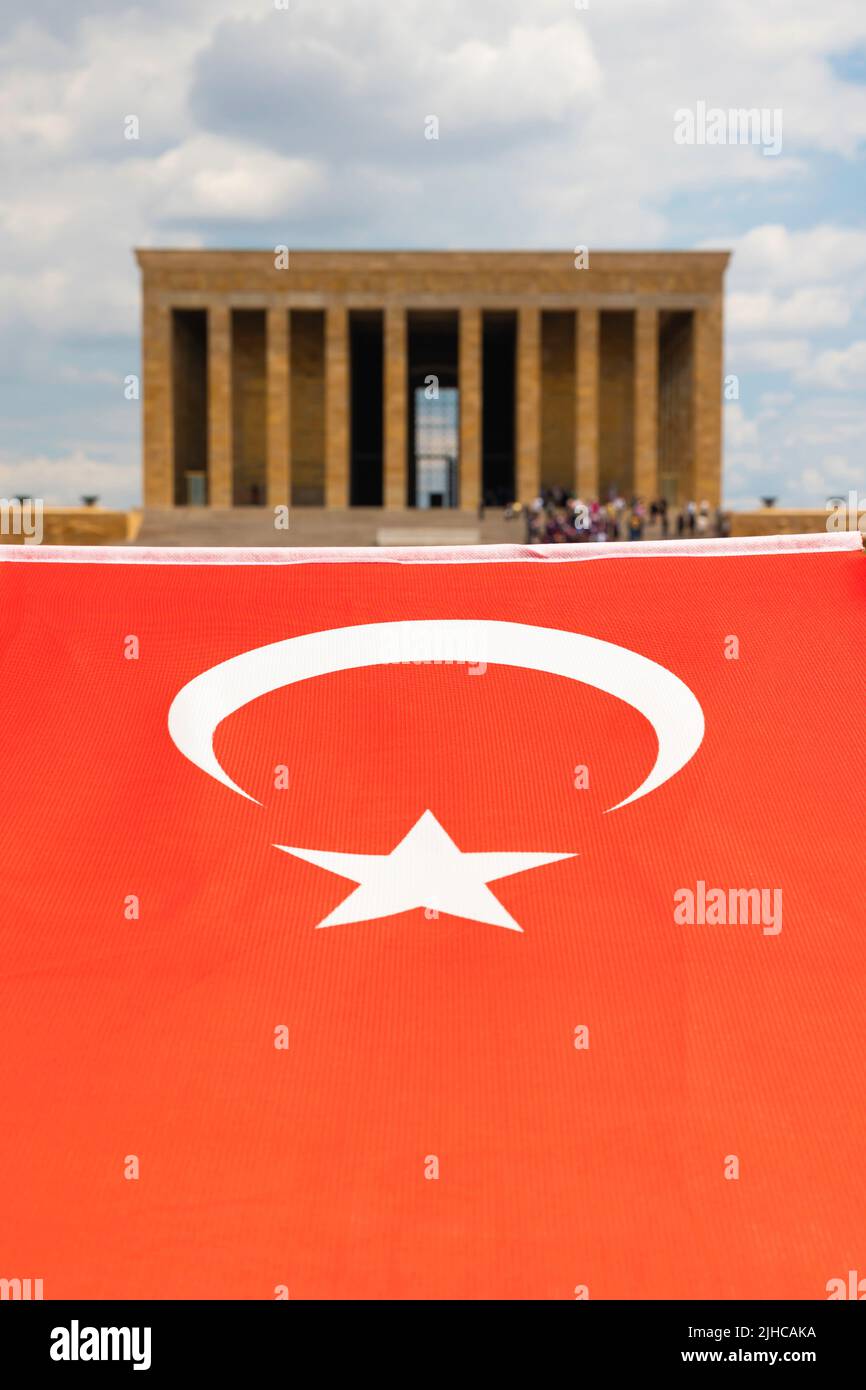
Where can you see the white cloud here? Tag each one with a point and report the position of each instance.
(69, 101)
(811, 307)
(842, 369)
(532, 74)
(803, 450)
(769, 354)
(63, 480)
(739, 431)
(209, 177)
(834, 476)
(772, 255)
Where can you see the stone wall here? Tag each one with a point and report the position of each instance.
(772, 521)
(557, 399)
(84, 526)
(307, 384)
(616, 404)
(676, 415)
(249, 413)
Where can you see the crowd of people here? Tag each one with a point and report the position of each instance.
(559, 517)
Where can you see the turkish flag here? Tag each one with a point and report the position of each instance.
(470, 924)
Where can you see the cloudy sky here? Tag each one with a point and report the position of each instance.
(305, 126)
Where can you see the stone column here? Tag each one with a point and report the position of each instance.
(470, 465)
(707, 369)
(219, 406)
(395, 402)
(157, 404)
(528, 440)
(645, 480)
(279, 482)
(336, 406)
(586, 358)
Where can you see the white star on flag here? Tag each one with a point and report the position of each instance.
(426, 869)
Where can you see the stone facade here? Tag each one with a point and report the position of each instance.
(605, 377)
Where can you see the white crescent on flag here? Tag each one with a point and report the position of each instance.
(656, 693)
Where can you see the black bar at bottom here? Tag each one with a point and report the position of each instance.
(219, 1339)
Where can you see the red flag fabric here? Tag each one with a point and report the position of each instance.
(461, 924)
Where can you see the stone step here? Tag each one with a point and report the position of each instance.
(314, 526)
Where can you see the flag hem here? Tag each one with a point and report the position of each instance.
(434, 554)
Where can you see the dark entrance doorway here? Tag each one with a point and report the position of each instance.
(366, 340)
(433, 409)
(437, 447)
(499, 344)
(189, 406)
